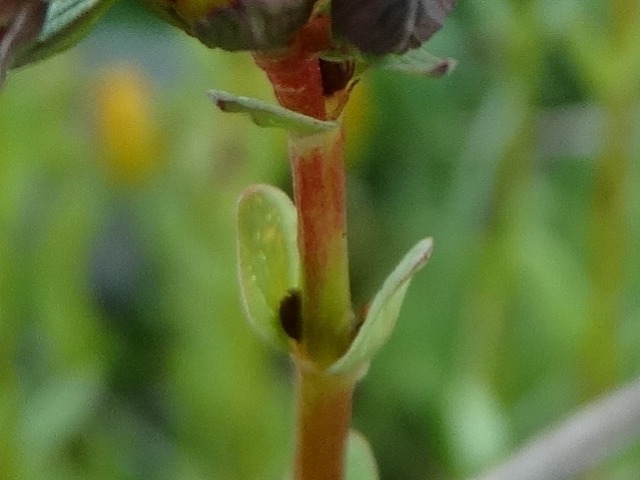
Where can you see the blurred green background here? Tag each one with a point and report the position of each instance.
(124, 353)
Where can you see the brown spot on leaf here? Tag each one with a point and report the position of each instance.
(290, 312)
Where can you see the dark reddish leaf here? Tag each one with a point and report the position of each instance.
(388, 26)
(252, 24)
(20, 24)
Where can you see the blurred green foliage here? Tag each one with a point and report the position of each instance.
(124, 353)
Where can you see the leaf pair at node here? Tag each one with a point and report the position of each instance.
(269, 271)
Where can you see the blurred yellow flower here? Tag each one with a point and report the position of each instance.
(128, 135)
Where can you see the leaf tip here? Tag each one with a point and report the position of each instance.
(442, 69)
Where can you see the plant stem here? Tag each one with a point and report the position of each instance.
(610, 235)
(295, 72)
(322, 424)
(319, 189)
(9, 412)
(609, 247)
(319, 186)
(578, 444)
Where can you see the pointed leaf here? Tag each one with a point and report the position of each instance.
(268, 261)
(383, 312)
(266, 115)
(361, 463)
(65, 24)
(62, 13)
(417, 61)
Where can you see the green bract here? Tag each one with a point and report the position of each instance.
(268, 263)
(418, 61)
(383, 312)
(361, 463)
(266, 115)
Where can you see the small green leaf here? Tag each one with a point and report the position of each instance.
(268, 262)
(62, 13)
(383, 312)
(266, 115)
(361, 463)
(417, 61)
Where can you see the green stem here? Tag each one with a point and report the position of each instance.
(319, 186)
(483, 353)
(610, 235)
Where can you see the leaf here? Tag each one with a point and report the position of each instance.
(266, 115)
(383, 312)
(268, 262)
(361, 463)
(20, 24)
(252, 25)
(65, 24)
(379, 26)
(417, 61)
(62, 13)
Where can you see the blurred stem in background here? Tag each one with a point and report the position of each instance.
(482, 356)
(609, 245)
(9, 327)
(610, 232)
(9, 404)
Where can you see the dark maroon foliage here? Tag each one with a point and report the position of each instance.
(388, 26)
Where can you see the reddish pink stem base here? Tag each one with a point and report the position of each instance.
(324, 417)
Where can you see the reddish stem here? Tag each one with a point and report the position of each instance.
(319, 185)
(295, 72)
(324, 416)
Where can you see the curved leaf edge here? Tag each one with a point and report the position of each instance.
(267, 115)
(269, 327)
(360, 462)
(383, 312)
